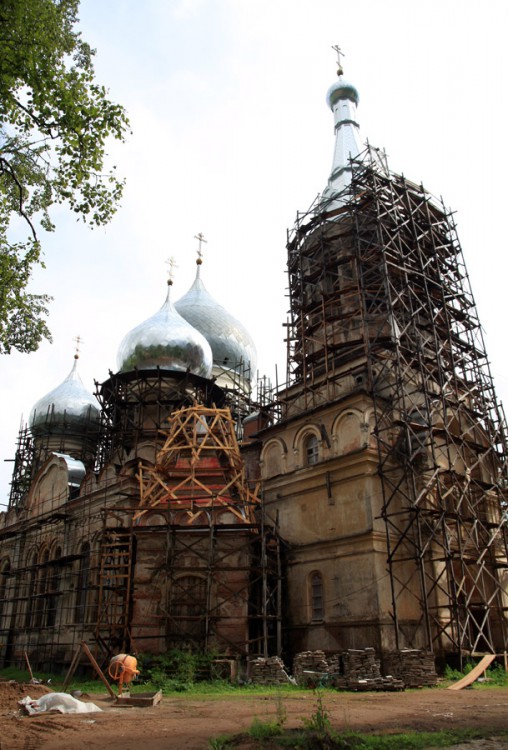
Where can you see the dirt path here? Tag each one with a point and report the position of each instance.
(187, 724)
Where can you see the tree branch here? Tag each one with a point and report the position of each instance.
(6, 168)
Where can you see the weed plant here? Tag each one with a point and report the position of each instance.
(319, 721)
(263, 730)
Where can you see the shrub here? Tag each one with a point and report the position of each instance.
(176, 669)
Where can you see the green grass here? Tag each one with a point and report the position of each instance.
(495, 676)
(304, 739)
(170, 687)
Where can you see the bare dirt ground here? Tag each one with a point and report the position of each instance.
(188, 723)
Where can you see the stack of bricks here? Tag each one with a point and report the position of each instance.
(269, 671)
(362, 671)
(415, 667)
(354, 669)
(309, 667)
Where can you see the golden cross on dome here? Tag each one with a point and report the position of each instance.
(172, 265)
(200, 238)
(78, 341)
(340, 54)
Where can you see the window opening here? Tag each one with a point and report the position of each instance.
(316, 596)
(311, 450)
(83, 584)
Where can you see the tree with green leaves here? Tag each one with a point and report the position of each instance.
(54, 123)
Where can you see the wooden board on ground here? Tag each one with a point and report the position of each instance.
(140, 699)
(474, 673)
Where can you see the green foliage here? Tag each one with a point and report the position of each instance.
(218, 743)
(176, 670)
(54, 124)
(455, 674)
(280, 710)
(262, 730)
(495, 675)
(22, 323)
(319, 721)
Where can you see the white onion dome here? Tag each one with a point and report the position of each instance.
(167, 341)
(68, 407)
(341, 89)
(234, 353)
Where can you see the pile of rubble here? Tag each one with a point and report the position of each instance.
(309, 667)
(354, 669)
(269, 671)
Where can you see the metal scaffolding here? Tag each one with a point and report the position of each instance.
(220, 559)
(195, 565)
(32, 450)
(380, 302)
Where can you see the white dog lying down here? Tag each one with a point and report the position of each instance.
(61, 702)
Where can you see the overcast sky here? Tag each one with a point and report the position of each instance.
(232, 135)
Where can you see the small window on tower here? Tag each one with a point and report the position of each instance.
(311, 450)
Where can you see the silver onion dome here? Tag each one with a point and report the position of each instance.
(69, 406)
(168, 341)
(234, 353)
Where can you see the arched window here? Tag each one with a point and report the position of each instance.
(31, 589)
(272, 460)
(54, 588)
(5, 569)
(189, 606)
(311, 448)
(42, 589)
(83, 584)
(317, 605)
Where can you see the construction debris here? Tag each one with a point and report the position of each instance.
(58, 702)
(269, 671)
(309, 664)
(354, 669)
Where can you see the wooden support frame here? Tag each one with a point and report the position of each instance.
(74, 663)
(198, 467)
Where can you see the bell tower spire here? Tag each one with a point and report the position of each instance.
(342, 98)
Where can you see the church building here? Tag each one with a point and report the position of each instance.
(361, 504)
